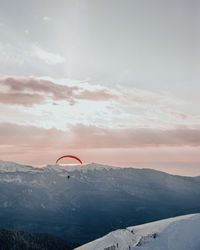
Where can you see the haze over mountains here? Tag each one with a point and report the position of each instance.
(83, 203)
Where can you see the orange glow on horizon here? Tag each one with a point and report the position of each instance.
(71, 164)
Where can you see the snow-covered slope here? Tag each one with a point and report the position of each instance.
(178, 233)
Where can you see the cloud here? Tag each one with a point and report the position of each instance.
(91, 104)
(24, 99)
(30, 91)
(33, 145)
(91, 137)
(30, 137)
(26, 31)
(94, 137)
(48, 57)
(18, 90)
(8, 57)
(46, 18)
(98, 95)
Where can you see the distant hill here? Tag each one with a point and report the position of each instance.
(20, 240)
(82, 203)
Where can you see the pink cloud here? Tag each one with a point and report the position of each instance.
(98, 95)
(81, 136)
(24, 99)
(32, 145)
(92, 137)
(95, 137)
(30, 91)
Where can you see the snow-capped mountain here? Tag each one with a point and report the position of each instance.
(7, 166)
(179, 233)
(83, 203)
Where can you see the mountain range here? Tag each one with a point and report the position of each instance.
(83, 203)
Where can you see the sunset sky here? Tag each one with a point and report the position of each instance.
(110, 81)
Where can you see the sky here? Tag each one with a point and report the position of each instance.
(110, 81)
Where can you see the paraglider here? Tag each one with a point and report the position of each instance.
(69, 156)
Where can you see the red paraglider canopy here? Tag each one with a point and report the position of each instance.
(69, 156)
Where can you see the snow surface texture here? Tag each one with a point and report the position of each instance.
(178, 233)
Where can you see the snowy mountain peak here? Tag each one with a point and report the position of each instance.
(54, 168)
(7, 166)
(94, 166)
(71, 168)
(178, 233)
